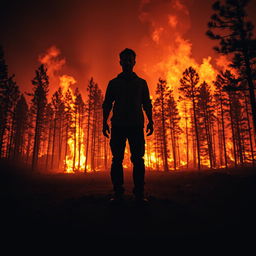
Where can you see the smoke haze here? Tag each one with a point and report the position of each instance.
(87, 36)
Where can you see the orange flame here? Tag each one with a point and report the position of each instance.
(72, 161)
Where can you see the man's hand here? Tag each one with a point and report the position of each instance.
(106, 130)
(150, 128)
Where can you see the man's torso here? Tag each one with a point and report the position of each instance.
(128, 96)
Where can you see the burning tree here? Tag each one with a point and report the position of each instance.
(4, 106)
(94, 141)
(89, 107)
(221, 104)
(20, 127)
(249, 130)
(206, 120)
(97, 122)
(29, 136)
(188, 85)
(242, 141)
(161, 119)
(237, 122)
(49, 114)
(79, 110)
(230, 26)
(39, 102)
(187, 118)
(175, 130)
(68, 103)
(9, 94)
(58, 111)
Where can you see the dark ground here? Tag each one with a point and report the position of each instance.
(187, 209)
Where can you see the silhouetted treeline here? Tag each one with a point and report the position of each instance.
(230, 26)
(198, 126)
(203, 128)
(63, 133)
(219, 127)
(9, 96)
(210, 129)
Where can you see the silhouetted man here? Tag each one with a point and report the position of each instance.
(130, 95)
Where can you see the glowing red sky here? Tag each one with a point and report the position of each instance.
(90, 34)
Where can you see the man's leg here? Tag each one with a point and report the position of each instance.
(137, 148)
(117, 145)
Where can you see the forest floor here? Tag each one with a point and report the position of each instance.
(185, 207)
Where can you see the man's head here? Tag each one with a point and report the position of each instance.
(127, 60)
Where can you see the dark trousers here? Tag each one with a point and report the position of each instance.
(135, 136)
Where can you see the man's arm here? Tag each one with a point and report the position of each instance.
(147, 106)
(107, 106)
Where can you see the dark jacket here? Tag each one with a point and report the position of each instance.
(130, 94)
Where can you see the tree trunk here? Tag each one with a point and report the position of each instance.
(197, 136)
(79, 139)
(53, 141)
(165, 153)
(10, 141)
(74, 156)
(60, 141)
(48, 145)
(249, 129)
(36, 143)
(251, 87)
(173, 149)
(3, 127)
(223, 134)
(232, 129)
(66, 146)
(88, 137)
(240, 149)
(187, 142)
(93, 141)
(105, 154)
(28, 147)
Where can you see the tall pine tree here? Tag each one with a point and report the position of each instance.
(231, 27)
(39, 102)
(161, 117)
(188, 86)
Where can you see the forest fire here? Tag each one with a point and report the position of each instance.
(76, 80)
(203, 110)
(173, 68)
(75, 158)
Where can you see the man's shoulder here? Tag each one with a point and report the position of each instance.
(113, 83)
(119, 79)
(114, 80)
(141, 80)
